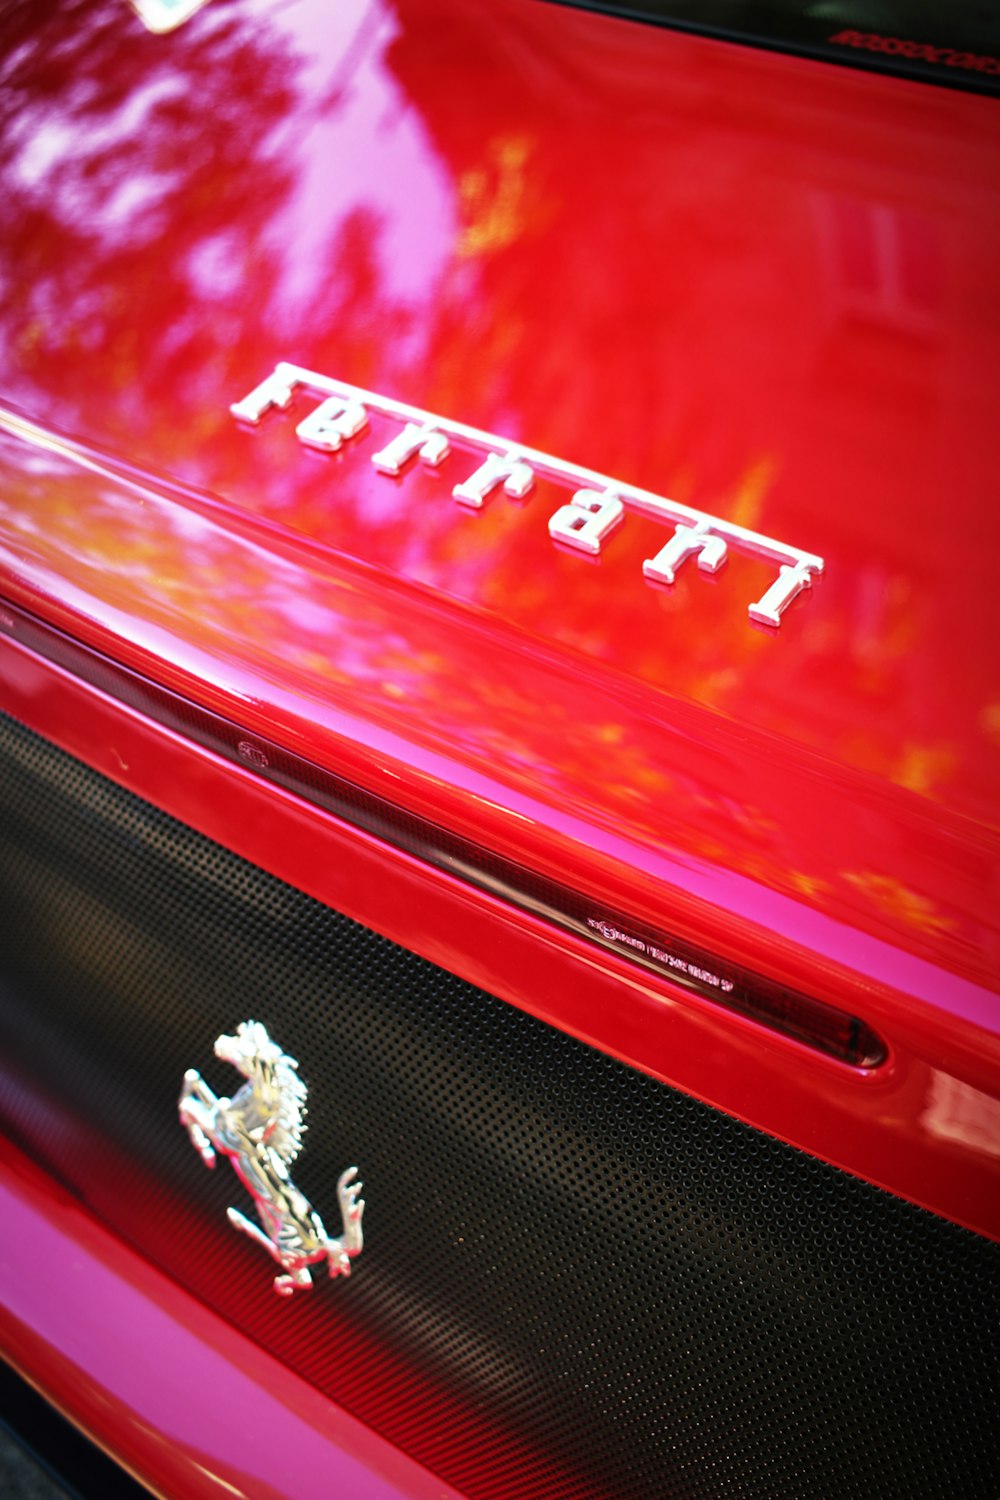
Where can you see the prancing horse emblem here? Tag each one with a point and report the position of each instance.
(260, 1129)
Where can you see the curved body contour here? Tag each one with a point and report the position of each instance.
(776, 305)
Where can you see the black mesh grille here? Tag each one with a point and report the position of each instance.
(576, 1281)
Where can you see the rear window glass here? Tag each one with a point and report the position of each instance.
(951, 43)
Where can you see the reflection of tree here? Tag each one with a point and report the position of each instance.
(617, 273)
(587, 347)
(648, 277)
(554, 184)
(652, 280)
(138, 187)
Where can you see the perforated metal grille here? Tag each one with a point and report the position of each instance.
(576, 1282)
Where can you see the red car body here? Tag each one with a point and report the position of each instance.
(760, 284)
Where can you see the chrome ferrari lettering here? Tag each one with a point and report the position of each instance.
(510, 470)
(276, 390)
(260, 1129)
(588, 520)
(334, 420)
(415, 437)
(596, 509)
(685, 542)
(787, 586)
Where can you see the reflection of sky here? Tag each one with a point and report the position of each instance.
(397, 178)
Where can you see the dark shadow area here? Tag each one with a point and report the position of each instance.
(44, 1457)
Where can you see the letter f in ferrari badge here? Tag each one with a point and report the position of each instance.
(260, 1129)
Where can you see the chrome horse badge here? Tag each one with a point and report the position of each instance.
(260, 1129)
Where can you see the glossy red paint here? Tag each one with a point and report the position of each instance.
(761, 285)
(787, 317)
(208, 1413)
(775, 300)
